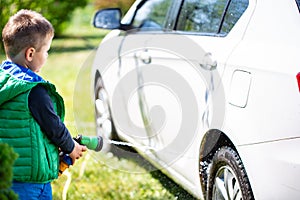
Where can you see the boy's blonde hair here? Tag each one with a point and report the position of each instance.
(25, 29)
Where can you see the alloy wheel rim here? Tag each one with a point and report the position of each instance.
(226, 185)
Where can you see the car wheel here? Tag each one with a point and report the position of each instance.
(227, 177)
(104, 123)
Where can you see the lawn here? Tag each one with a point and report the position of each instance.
(96, 175)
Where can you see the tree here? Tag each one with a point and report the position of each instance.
(58, 12)
(124, 5)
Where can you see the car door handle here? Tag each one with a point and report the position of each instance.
(144, 56)
(208, 62)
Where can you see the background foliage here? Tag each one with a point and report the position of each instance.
(123, 4)
(7, 158)
(58, 12)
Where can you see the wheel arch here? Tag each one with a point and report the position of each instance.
(96, 76)
(213, 140)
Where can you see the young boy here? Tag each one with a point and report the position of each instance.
(31, 111)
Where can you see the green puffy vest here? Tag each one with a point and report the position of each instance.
(38, 159)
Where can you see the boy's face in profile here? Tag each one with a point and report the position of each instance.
(37, 59)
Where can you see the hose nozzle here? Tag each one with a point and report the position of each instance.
(91, 142)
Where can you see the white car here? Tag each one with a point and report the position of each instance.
(207, 91)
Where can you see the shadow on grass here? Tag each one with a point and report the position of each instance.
(130, 154)
(171, 186)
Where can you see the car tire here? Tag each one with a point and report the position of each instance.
(227, 178)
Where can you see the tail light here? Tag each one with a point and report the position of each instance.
(298, 80)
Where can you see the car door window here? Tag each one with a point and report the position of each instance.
(210, 16)
(235, 10)
(201, 15)
(152, 15)
(298, 4)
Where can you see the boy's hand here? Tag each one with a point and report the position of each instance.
(77, 151)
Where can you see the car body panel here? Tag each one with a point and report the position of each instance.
(273, 166)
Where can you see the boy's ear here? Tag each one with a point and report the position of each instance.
(29, 53)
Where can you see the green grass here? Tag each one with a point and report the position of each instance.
(96, 175)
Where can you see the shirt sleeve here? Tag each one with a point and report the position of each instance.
(41, 107)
